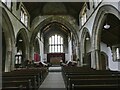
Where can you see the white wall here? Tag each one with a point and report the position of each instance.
(112, 65)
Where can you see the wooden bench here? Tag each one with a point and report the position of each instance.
(14, 74)
(88, 77)
(43, 72)
(93, 81)
(36, 75)
(14, 88)
(94, 87)
(18, 84)
(73, 77)
(19, 78)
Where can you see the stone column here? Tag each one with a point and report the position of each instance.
(14, 51)
(95, 59)
(78, 53)
(31, 53)
(8, 61)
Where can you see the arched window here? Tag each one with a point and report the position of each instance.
(83, 15)
(7, 3)
(116, 53)
(24, 16)
(55, 44)
(18, 57)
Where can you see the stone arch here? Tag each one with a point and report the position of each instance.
(23, 34)
(53, 19)
(104, 61)
(84, 45)
(96, 33)
(9, 37)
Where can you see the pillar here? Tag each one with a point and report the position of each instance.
(95, 59)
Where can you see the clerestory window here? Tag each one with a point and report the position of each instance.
(24, 16)
(116, 53)
(7, 3)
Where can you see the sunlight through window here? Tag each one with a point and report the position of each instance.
(55, 44)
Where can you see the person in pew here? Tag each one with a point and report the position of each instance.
(44, 64)
(74, 63)
(78, 62)
(62, 63)
(71, 63)
(30, 64)
(26, 63)
(41, 64)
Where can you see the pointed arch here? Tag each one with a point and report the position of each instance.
(49, 20)
(9, 37)
(85, 47)
(54, 19)
(104, 61)
(97, 28)
(22, 43)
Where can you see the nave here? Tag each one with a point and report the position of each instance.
(82, 38)
(63, 78)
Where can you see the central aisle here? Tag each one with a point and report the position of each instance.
(53, 80)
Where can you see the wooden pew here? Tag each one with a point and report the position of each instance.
(14, 74)
(36, 75)
(26, 84)
(43, 72)
(88, 73)
(88, 77)
(94, 87)
(14, 88)
(93, 81)
(19, 78)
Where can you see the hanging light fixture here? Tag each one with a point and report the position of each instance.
(20, 40)
(87, 38)
(106, 26)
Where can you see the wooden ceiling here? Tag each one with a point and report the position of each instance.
(36, 8)
(56, 26)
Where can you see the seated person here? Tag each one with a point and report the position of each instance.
(71, 63)
(40, 64)
(61, 61)
(44, 64)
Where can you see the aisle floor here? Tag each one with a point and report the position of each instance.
(53, 80)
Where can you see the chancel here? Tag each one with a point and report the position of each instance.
(60, 45)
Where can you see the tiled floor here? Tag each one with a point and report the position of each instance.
(53, 80)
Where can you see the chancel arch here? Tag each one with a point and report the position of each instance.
(51, 22)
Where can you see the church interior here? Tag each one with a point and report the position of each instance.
(60, 45)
